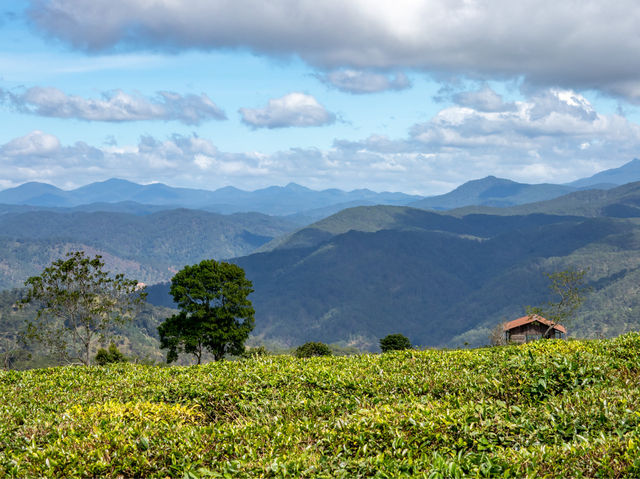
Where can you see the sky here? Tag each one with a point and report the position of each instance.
(417, 96)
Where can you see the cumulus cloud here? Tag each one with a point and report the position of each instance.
(593, 45)
(360, 82)
(36, 143)
(294, 109)
(114, 106)
(552, 136)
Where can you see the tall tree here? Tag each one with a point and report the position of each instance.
(215, 312)
(79, 303)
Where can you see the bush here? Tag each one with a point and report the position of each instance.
(394, 342)
(112, 355)
(310, 349)
(255, 352)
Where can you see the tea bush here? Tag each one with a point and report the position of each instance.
(550, 408)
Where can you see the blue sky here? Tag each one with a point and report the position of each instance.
(405, 95)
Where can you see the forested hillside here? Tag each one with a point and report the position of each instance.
(446, 282)
(148, 247)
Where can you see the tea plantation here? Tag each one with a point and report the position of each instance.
(550, 408)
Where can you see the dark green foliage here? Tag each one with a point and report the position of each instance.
(111, 355)
(215, 312)
(310, 349)
(78, 303)
(394, 342)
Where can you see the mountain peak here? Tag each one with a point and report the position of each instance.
(627, 173)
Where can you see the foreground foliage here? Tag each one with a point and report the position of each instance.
(550, 408)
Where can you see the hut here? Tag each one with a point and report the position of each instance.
(532, 327)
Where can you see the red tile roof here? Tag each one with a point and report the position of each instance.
(530, 319)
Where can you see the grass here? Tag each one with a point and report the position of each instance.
(550, 408)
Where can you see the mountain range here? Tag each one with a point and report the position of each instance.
(304, 204)
(443, 278)
(275, 200)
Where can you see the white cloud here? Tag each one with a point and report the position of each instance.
(36, 144)
(551, 136)
(550, 43)
(360, 82)
(114, 106)
(294, 109)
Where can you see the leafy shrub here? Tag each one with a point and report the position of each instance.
(310, 349)
(111, 355)
(258, 351)
(394, 342)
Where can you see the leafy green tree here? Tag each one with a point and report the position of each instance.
(215, 312)
(111, 355)
(311, 349)
(79, 303)
(394, 342)
(569, 290)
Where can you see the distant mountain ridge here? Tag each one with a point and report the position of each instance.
(305, 204)
(492, 191)
(627, 173)
(274, 200)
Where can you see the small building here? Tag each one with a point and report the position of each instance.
(532, 327)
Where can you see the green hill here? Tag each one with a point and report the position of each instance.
(446, 282)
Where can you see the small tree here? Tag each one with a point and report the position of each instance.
(311, 349)
(394, 342)
(497, 336)
(10, 349)
(215, 312)
(111, 355)
(78, 303)
(569, 290)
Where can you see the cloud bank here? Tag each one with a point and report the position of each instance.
(294, 109)
(588, 45)
(552, 136)
(114, 106)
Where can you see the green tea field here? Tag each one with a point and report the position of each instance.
(546, 409)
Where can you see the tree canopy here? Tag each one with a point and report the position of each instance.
(78, 303)
(215, 312)
(394, 342)
(310, 349)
